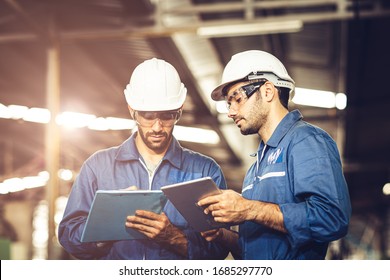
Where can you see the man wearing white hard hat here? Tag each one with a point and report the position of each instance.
(294, 198)
(149, 159)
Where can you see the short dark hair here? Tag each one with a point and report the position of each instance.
(284, 96)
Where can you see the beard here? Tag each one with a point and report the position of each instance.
(248, 130)
(158, 144)
(254, 120)
(250, 126)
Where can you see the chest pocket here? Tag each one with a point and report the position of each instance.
(271, 184)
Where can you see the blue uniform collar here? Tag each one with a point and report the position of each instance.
(283, 127)
(128, 151)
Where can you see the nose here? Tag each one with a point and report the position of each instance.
(232, 112)
(157, 126)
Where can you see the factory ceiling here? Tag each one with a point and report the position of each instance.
(94, 45)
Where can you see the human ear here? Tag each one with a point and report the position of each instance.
(132, 112)
(269, 91)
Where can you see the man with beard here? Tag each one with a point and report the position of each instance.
(148, 160)
(294, 198)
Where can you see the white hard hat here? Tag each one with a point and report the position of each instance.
(250, 65)
(155, 86)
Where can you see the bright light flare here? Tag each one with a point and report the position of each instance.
(386, 189)
(17, 111)
(74, 120)
(316, 98)
(37, 115)
(197, 135)
(320, 98)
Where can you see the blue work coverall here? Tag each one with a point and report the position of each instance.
(120, 167)
(299, 169)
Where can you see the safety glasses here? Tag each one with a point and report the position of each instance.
(148, 118)
(242, 94)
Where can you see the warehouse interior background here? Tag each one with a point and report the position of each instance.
(64, 65)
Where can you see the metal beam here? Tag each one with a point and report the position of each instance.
(52, 139)
(243, 5)
(38, 30)
(343, 10)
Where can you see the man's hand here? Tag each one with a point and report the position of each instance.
(212, 235)
(226, 237)
(155, 226)
(158, 228)
(228, 207)
(231, 207)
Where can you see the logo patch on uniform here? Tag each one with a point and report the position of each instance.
(275, 157)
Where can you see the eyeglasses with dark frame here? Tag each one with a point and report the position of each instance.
(242, 94)
(149, 118)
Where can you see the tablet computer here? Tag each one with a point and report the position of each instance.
(185, 196)
(107, 217)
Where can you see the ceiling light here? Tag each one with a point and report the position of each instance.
(13, 185)
(197, 135)
(4, 112)
(386, 189)
(17, 111)
(37, 115)
(320, 98)
(34, 182)
(120, 123)
(99, 124)
(250, 28)
(76, 120)
(65, 174)
(341, 101)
